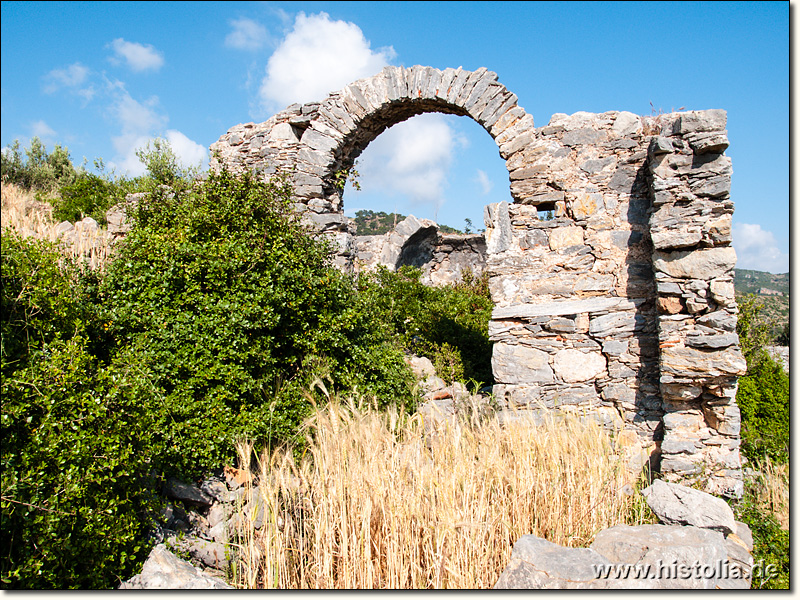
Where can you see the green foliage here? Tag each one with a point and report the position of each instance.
(38, 170)
(448, 324)
(74, 452)
(87, 196)
(39, 301)
(225, 299)
(763, 398)
(162, 164)
(763, 394)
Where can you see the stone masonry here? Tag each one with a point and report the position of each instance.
(619, 308)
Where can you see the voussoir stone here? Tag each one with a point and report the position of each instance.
(676, 504)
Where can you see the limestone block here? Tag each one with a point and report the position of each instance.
(662, 546)
(563, 237)
(701, 363)
(676, 504)
(538, 564)
(626, 124)
(164, 571)
(573, 366)
(520, 364)
(708, 263)
(700, 120)
(498, 227)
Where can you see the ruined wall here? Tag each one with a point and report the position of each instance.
(420, 243)
(620, 308)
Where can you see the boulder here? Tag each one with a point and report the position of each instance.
(538, 564)
(164, 571)
(676, 504)
(671, 556)
(177, 490)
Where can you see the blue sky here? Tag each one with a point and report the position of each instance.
(104, 77)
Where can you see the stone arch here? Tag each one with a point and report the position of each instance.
(348, 120)
(622, 307)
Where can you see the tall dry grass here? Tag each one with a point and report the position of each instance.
(770, 488)
(29, 217)
(372, 504)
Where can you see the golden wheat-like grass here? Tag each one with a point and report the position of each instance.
(29, 217)
(373, 504)
(770, 487)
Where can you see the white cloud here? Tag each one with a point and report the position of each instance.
(757, 249)
(69, 77)
(42, 130)
(140, 57)
(189, 152)
(246, 35)
(411, 158)
(138, 122)
(483, 180)
(318, 56)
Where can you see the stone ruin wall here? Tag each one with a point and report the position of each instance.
(620, 308)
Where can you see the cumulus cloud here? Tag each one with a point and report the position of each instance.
(757, 249)
(411, 158)
(246, 35)
(316, 57)
(483, 181)
(72, 76)
(189, 152)
(139, 57)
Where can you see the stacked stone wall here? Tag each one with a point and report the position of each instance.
(620, 307)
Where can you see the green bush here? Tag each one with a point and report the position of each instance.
(74, 452)
(763, 398)
(225, 300)
(763, 394)
(39, 170)
(448, 324)
(87, 196)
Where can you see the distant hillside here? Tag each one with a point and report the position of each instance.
(773, 292)
(758, 282)
(377, 223)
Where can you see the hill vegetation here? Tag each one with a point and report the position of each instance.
(378, 223)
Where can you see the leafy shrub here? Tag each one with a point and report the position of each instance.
(770, 541)
(225, 300)
(763, 398)
(448, 324)
(87, 196)
(39, 169)
(39, 301)
(74, 448)
(763, 394)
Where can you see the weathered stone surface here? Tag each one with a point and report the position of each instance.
(679, 505)
(573, 365)
(520, 364)
(538, 564)
(177, 490)
(699, 555)
(706, 263)
(569, 307)
(164, 571)
(564, 237)
(692, 362)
